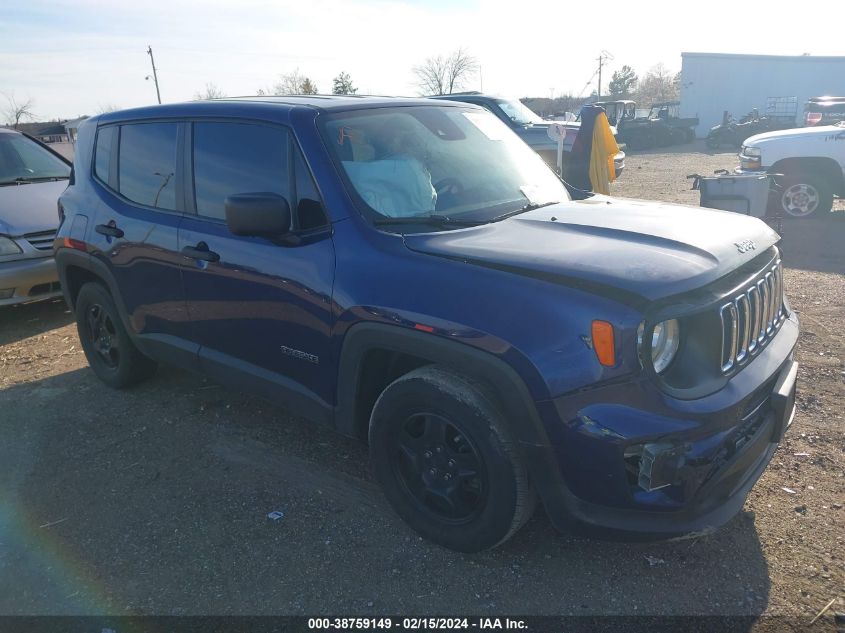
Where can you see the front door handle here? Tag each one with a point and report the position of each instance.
(201, 252)
(109, 230)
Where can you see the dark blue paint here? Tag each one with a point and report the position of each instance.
(524, 290)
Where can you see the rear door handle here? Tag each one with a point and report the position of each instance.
(109, 230)
(201, 252)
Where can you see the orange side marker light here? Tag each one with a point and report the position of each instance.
(602, 333)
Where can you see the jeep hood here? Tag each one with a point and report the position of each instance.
(30, 208)
(648, 249)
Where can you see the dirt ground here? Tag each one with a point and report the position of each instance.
(155, 500)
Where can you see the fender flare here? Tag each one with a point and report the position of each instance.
(162, 347)
(365, 337)
(66, 257)
(520, 409)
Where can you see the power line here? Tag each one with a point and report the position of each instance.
(587, 85)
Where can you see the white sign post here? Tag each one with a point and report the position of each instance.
(557, 132)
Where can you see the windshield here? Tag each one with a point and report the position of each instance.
(459, 163)
(23, 160)
(518, 113)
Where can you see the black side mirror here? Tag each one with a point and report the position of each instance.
(257, 214)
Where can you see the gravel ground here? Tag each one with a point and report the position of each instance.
(155, 500)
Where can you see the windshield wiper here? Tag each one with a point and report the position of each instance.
(26, 181)
(528, 207)
(433, 220)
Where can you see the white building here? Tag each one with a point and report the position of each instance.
(714, 82)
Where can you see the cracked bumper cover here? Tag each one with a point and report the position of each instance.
(719, 446)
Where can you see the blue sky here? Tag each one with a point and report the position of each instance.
(75, 57)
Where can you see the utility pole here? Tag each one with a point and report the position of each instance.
(604, 57)
(155, 76)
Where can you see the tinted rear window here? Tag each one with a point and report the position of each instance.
(232, 158)
(147, 166)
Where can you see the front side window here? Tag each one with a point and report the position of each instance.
(147, 164)
(235, 158)
(24, 160)
(417, 161)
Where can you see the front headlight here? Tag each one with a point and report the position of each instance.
(750, 158)
(8, 247)
(664, 343)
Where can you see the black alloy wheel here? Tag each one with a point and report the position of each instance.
(440, 468)
(107, 345)
(443, 451)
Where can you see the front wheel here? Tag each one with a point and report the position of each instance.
(804, 195)
(443, 454)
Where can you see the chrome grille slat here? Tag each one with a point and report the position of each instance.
(764, 309)
(752, 318)
(754, 302)
(729, 335)
(770, 311)
(744, 320)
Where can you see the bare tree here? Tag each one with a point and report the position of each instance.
(444, 75)
(292, 83)
(105, 108)
(18, 110)
(431, 76)
(211, 92)
(658, 85)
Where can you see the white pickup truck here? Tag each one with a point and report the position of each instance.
(811, 161)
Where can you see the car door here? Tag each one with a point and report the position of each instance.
(260, 307)
(134, 230)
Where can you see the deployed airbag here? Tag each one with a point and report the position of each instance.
(395, 187)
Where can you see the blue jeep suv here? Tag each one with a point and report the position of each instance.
(412, 274)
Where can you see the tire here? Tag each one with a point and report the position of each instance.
(804, 195)
(639, 142)
(108, 348)
(432, 426)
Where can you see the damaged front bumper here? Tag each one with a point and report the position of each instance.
(634, 460)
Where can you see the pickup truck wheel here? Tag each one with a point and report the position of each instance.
(107, 346)
(442, 452)
(804, 195)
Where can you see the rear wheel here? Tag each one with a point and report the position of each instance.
(804, 195)
(107, 346)
(443, 454)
